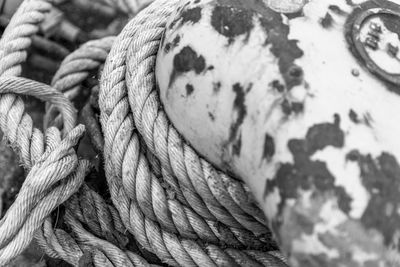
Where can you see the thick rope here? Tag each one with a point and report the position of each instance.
(76, 68)
(73, 71)
(55, 171)
(175, 203)
(95, 248)
(51, 166)
(134, 188)
(129, 7)
(38, 197)
(184, 221)
(193, 173)
(16, 38)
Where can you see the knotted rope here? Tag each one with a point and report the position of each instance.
(176, 205)
(55, 173)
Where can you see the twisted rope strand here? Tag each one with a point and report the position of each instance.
(152, 199)
(36, 217)
(76, 68)
(122, 146)
(57, 166)
(116, 256)
(56, 243)
(130, 7)
(16, 38)
(143, 155)
(191, 170)
(55, 173)
(185, 221)
(23, 86)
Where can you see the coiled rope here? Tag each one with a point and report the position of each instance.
(176, 205)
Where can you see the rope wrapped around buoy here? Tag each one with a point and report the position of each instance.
(197, 222)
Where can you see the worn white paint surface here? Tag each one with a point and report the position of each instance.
(334, 83)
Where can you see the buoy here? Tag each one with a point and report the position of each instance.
(304, 108)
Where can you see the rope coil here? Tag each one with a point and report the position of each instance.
(176, 205)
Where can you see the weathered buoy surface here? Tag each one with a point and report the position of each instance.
(286, 6)
(305, 109)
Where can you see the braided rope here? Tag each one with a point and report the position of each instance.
(134, 188)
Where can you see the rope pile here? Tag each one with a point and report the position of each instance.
(169, 205)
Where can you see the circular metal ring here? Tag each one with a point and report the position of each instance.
(358, 22)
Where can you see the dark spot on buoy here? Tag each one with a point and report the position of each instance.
(167, 48)
(188, 60)
(192, 15)
(249, 88)
(176, 40)
(306, 174)
(241, 111)
(380, 177)
(212, 116)
(211, 67)
(366, 119)
(189, 89)
(355, 72)
(392, 24)
(321, 135)
(285, 50)
(297, 107)
(327, 21)
(237, 146)
(294, 15)
(353, 116)
(162, 39)
(337, 10)
(269, 147)
(294, 76)
(185, 61)
(291, 107)
(173, 44)
(286, 107)
(187, 15)
(231, 21)
(276, 84)
(216, 87)
(232, 18)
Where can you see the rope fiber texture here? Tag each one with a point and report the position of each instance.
(169, 205)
